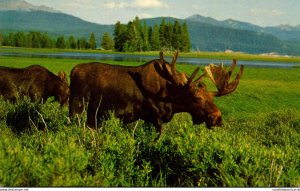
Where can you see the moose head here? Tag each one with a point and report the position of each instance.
(192, 96)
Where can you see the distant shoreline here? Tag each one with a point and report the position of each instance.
(268, 57)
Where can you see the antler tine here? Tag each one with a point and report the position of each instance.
(173, 67)
(193, 75)
(216, 74)
(232, 67)
(241, 72)
(229, 88)
(200, 78)
(221, 79)
(161, 57)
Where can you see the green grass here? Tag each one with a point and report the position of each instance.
(258, 145)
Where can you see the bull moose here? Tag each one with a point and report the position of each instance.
(35, 81)
(153, 92)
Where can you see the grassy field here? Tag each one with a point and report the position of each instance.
(258, 145)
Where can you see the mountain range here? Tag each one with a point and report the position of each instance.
(22, 5)
(283, 32)
(206, 33)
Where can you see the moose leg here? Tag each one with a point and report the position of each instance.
(92, 112)
(158, 127)
(155, 114)
(76, 105)
(91, 117)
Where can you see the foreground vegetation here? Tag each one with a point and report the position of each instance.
(258, 145)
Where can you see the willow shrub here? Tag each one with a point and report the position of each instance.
(41, 146)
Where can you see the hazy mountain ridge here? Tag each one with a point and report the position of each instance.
(284, 32)
(206, 34)
(55, 24)
(228, 23)
(21, 5)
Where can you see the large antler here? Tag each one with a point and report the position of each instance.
(221, 79)
(165, 68)
(175, 74)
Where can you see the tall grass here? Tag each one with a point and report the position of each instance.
(263, 151)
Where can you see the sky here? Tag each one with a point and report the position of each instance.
(259, 12)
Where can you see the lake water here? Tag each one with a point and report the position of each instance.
(142, 58)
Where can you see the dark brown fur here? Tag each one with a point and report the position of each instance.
(146, 92)
(35, 82)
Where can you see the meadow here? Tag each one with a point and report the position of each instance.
(258, 146)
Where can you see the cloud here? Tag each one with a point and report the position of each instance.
(145, 4)
(78, 4)
(277, 13)
(115, 5)
(145, 15)
(266, 12)
(141, 4)
(197, 7)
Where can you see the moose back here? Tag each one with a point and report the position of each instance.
(153, 92)
(35, 82)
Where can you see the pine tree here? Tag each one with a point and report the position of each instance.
(131, 40)
(10, 39)
(155, 38)
(78, 44)
(137, 23)
(138, 39)
(29, 40)
(186, 43)
(92, 41)
(1, 39)
(82, 43)
(145, 37)
(71, 42)
(19, 39)
(107, 42)
(119, 36)
(45, 41)
(169, 36)
(177, 36)
(166, 35)
(162, 34)
(34, 40)
(60, 43)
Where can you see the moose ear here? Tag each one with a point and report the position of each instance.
(63, 76)
(148, 86)
(152, 82)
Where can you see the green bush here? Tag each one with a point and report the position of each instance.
(54, 151)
